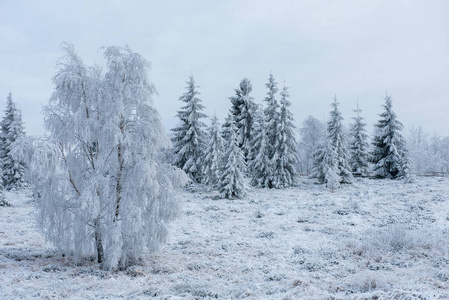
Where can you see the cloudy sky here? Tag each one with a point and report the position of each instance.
(354, 49)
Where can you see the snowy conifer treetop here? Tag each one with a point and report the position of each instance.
(189, 138)
(242, 110)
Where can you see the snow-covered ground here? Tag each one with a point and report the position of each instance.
(376, 239)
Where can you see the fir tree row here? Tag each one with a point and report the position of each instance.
(253, 142)
(336, 159)
(259, 143)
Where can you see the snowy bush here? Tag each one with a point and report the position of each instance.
(3, 201)
(365, 282)
(395, 237)
(398, 237)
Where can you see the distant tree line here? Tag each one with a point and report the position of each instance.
(260, 142)
(253, 141)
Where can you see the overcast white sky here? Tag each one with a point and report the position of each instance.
(354, 49)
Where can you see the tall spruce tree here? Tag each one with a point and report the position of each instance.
(242, 110)
(214, 154)
(272, 119)
(359, 145)
(390, 155)
(233, 163)
(189, 140)
(337, 138)
(286, 156)
(12, 170)
(258, 159)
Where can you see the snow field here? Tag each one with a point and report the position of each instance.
(375, 239)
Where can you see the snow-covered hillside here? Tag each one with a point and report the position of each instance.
(375, 239)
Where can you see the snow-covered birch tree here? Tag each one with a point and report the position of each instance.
(390, 155)
(427, 152)
(312, 134)
(359, 147)
(189, 138)
(103, 187)
(12, 169)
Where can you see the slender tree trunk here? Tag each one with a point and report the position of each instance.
(120, 171)
(98, 242)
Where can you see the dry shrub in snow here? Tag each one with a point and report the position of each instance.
(397, 237)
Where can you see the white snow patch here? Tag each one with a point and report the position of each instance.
(375, 239)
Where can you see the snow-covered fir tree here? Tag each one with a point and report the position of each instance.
(242, 110)
(325, 165)
(272, 119)
(359, 147)
(214, 154)
(12, 169)
(258, 162)
(227, 127)
(337, 139)
(189, 139)
(389, 155)
(104, 188)
(312, 134)
(285, 159)
(231, 179)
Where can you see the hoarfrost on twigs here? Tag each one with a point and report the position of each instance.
(102, 183)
